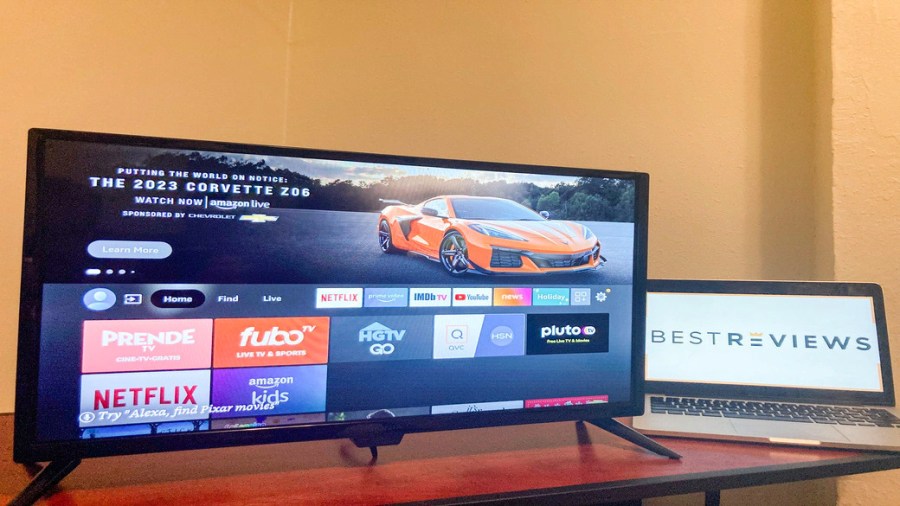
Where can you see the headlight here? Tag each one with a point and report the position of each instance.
(587, 233)
(495, 232)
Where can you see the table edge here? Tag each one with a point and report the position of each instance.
(676, 484)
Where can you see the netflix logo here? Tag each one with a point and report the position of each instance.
(144, 397)
(339, 297)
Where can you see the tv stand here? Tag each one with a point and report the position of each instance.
(44, 480)
(372, 439)
(56, 470)
(627, 433)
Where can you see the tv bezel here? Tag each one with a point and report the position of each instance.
(26, 447)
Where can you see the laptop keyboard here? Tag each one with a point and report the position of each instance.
(781, 411)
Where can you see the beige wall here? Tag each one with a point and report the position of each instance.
(178, 69)
(866, 176)
(726, 103)
(823, 252)
(698, 93)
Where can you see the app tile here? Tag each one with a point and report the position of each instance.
(370, 338)
(175, 427)
(145, 345)
(255, 342)
(566, 401)
(268, 391)
(581, 296)
(116, 431)
(143, 397)
(339, 298)
(374, 414)
(550, 334)
(474, 407)
(468, 297)
(468, 336)
(251, 422)
(386, 297)
(430, 297)
(144, 429)
(550, 297)
(512, 296)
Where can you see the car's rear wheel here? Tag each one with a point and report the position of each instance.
(385, 241)
(455, 254)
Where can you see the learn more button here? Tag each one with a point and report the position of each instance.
(137, 250)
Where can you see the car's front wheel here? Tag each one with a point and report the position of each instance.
(455, 253)
(385, 241)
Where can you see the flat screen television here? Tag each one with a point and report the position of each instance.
(181, 294)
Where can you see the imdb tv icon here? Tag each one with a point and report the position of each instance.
(255, 342)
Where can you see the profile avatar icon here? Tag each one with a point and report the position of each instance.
(99, 299)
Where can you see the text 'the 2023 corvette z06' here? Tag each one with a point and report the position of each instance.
(487, 235)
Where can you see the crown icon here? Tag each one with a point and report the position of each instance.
(756, 334)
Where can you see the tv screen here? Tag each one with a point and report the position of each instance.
(185, 294)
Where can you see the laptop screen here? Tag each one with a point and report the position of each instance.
(767, 337)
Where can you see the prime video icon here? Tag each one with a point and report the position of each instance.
(386, 297)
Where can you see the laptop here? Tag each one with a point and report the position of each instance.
(799, 363)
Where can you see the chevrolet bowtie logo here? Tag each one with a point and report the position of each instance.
(258, 218)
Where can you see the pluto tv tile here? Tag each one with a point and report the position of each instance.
(551, 334)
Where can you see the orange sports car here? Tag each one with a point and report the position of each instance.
(487, 235)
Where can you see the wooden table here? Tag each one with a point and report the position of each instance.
(558, 462)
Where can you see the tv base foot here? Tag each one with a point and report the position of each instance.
(44, 480)
(627, 433)
(372, 439)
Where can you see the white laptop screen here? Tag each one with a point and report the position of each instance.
(783, 341)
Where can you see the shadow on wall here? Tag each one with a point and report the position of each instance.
(787, 112)
(789, 96)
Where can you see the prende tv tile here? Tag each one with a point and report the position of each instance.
(145, 345)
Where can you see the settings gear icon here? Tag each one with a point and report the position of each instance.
(600, 296)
